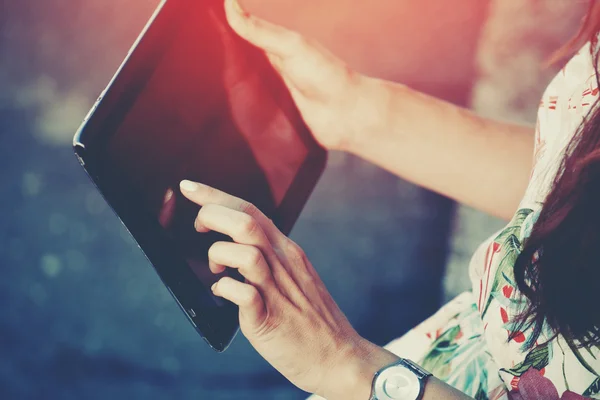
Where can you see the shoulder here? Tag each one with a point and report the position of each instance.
(566, 101)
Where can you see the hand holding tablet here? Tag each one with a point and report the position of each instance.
(286, 312)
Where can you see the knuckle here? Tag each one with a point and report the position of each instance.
(294, 251)
(248, 226)
(297, 40)
(350, 77)
(252, 298)
(253, 25)
(269, 326)
(211, 192)
(254, 257)
(249, 208)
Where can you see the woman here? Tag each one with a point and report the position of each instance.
(530, 328)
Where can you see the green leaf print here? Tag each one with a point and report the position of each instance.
(589, 350)
(513, 302)
(593, 389)
(437, 361)
(537, 358)
(470, 368)
(510, 244)
(514, 226)
(511, 247)
(481, 394)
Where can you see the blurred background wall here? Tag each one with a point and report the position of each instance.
(84, 316)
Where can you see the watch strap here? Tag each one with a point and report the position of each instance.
(416, 368)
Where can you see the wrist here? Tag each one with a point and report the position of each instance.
(374, 114)
(352, 377)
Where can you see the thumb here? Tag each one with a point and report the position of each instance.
(272, 38)
(307, 68)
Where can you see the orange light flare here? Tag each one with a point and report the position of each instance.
(427, 43)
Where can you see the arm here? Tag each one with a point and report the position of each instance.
(442, 147)
(356, 379)
(286, 312)
(427, 141)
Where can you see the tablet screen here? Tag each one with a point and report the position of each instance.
(206, 115)
(211, 109)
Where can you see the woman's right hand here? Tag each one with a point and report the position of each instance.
(334, 100)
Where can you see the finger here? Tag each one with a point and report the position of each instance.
(216, 268)
(203, 194)
(236, 64)
(244, 229)
(282, 44)
(266, 35)
(209, 198)
(248, 260)
(241, 227)
(246, 296)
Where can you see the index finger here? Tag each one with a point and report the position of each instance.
(203, 194)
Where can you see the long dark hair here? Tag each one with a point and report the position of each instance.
(558, 269)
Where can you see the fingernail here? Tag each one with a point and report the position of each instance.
(188, 186)
(214, 286)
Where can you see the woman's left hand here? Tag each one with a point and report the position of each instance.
(286, 312)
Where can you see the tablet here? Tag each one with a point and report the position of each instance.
(194, 101)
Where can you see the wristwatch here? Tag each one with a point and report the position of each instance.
(403, 380)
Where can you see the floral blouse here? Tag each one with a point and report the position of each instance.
(466, 342)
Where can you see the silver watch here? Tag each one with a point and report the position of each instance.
(403, 380)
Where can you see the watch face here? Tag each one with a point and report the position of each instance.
(397, 383)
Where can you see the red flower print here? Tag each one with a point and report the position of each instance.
(514, 382)
(507, 291)
(435, 334)
(539, 147)
(519, 337)
(489, 256)
(504, 315)
(438, 333)
(497, 393)
(533, 386)
(591, 91)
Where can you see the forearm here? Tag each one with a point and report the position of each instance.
(445, 148)
(436, 389)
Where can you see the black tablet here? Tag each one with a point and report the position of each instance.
(194, 101)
